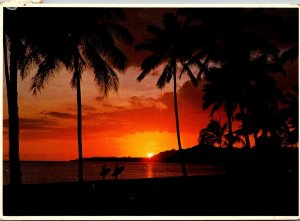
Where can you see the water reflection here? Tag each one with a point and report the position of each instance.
(149, 170)
(52, 172)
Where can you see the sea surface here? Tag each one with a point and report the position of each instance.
(52, 172)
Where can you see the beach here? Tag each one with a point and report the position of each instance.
(209, 195)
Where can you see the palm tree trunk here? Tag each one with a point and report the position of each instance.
(177, 127)
(13, 114)
(79, 119)
(245, 126)
(6, 69)
(230, 132)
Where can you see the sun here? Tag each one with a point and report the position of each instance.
(149, 155)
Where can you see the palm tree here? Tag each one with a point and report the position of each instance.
(245, 63)
(219, 91)
(92, 47)
(233, 44)
(16, 46)
(171, 45)
(213, 133)
(13, 112)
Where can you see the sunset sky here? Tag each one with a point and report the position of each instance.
(135, 121)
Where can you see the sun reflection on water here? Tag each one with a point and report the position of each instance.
(149, 170)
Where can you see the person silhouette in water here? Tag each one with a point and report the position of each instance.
(105, 171)
(118, 171)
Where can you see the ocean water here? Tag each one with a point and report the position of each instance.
(51, 172)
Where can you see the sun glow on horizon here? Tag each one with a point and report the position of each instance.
(149, 155)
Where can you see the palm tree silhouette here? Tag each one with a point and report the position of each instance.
(280, 126)
(233, 45)
(16, 46)
(213, 133)
(219, 91)
(172, 45)
(246, 61)
(11, 76)
(91, 47)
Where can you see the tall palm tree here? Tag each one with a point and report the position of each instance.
(170, 46)
(16, 45)
(83, 43)
(13, 112)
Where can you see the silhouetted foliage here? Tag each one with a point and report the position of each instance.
(213, 133)
(239, 63)
(174, 45)
(86, 42)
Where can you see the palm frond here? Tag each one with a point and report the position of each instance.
(216, 107)
(150, 63)
(30, 59)
(203, 67)
(165, 77)
(45, 72)
(190, 74)
(114, 56)
(20, 49)
(75, 77)
(119, 32)
(105, 77)
(100, 35)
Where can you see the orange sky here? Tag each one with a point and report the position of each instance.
(133, 122)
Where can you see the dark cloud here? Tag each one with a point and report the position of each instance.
(33, 123)
(155, 73)
(88, 108)
(100, 98)
(84, 107)
(156, 114)
(143, 114)
(141, 102)
(113, 106)
(62, 115)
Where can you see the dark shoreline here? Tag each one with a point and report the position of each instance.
(210, 195)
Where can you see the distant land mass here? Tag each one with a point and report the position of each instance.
(195, 154)
(203, 154)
